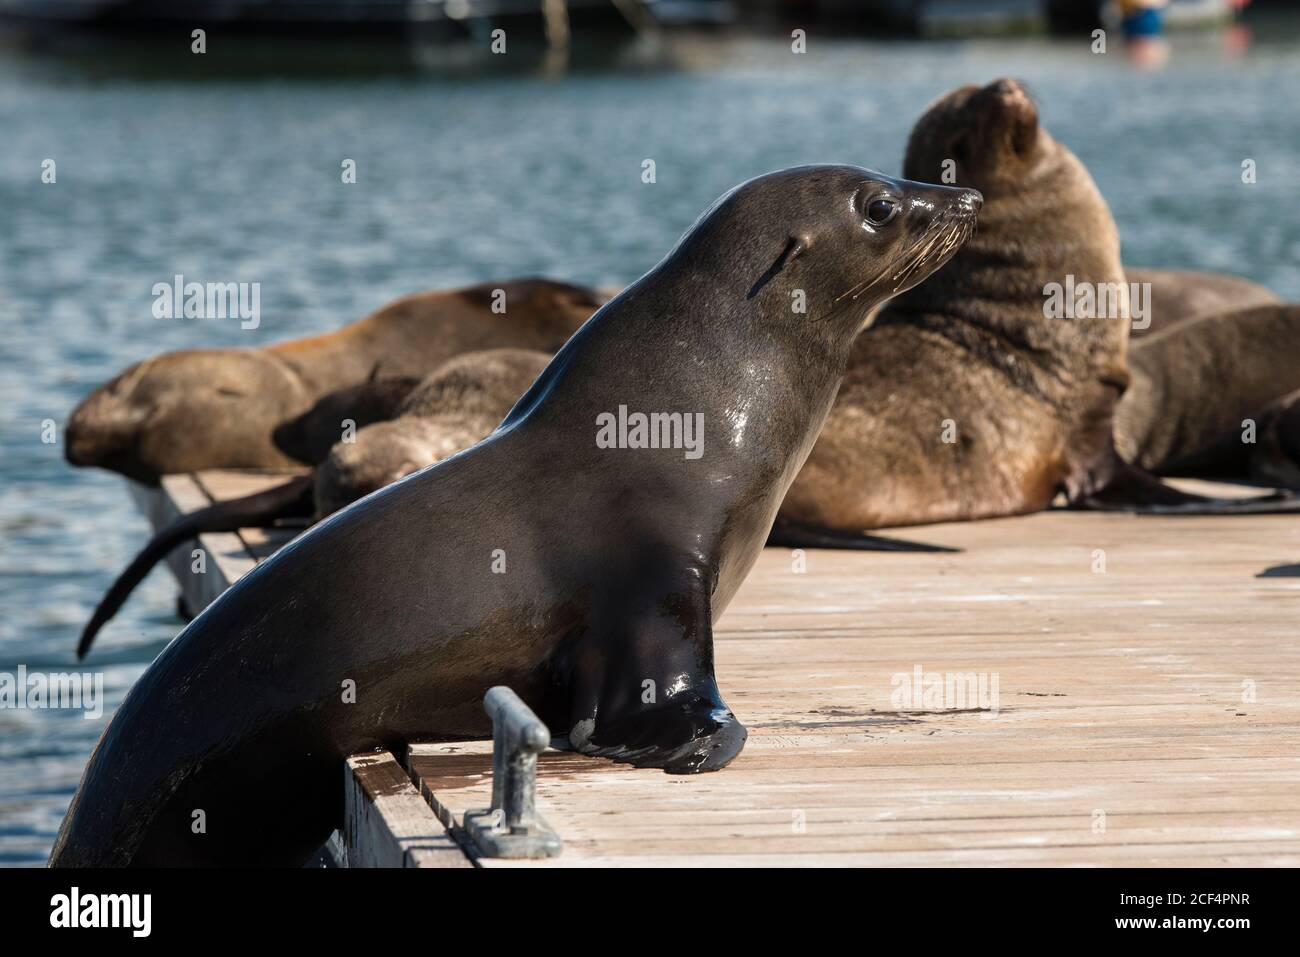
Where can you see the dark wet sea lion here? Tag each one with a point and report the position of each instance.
(1178, 295)
(963, 400)
(219, 408)
(1194, 386)
(617, 560)
(449, 410)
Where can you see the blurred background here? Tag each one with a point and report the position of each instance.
(225, 166)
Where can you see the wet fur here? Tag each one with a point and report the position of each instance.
(1031, 397)
(619, 562)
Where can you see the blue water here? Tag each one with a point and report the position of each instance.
(468, 178)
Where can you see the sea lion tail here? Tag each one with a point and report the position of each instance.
(1131, 489)
(791, 534)
(294, 497)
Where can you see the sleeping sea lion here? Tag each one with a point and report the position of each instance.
(219, 408)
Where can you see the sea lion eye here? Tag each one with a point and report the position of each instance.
(881, 211)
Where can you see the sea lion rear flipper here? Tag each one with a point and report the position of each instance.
(643, 688)
(787, 533)
(1131, 489)
(291, 498)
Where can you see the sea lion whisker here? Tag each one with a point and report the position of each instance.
(858, 289)
(921, 258)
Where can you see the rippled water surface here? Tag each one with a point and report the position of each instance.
(467, 177)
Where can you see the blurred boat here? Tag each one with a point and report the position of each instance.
(1178, 14)
(971, 17)
(351, 16)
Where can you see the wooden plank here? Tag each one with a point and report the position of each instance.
(1148, 714)
(387, 823)
(1148, 708)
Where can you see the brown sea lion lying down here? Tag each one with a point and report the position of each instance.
(448, 411)
(963, 400)
(220, 408)
(1215, 397)
(1215, 390)
(310, 436)
(1179, 294)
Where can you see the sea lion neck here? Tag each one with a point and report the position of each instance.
(994, 298)
(746, 391)
(754, 377)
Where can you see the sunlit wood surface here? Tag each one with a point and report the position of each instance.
(1147, 711)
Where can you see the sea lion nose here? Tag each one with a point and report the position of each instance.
(1006, 87)
(1010, 98)
(971, 200)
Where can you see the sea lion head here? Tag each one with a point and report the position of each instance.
(847, 238)
(1044, 221)
(987, 137)
(173, 413)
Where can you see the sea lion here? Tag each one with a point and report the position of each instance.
(219, 408)
(310, 436)
(450, 410)
(581, 562)
(963, 400)
(1197, 387)
(1275, 460)
(1177, 295)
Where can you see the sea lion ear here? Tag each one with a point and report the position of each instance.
(794, 247)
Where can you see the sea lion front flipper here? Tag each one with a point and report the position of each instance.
(692, 732)
(787, 533)
(1131, 489)
(643, 686)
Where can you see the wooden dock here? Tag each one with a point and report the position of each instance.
(1147, 708)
